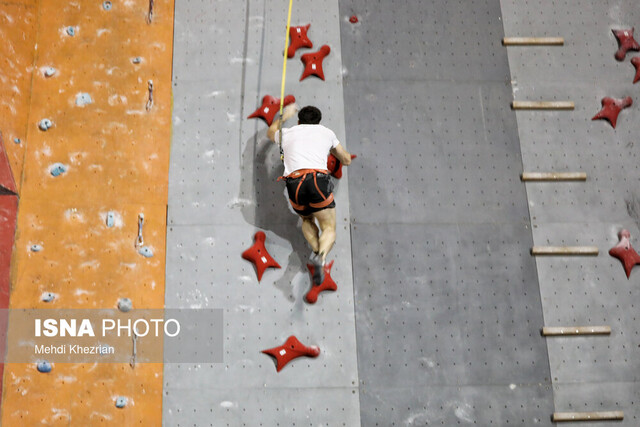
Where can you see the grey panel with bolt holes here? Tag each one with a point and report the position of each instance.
(222, 189)
(447, 298)
(267, 407)
(484, 405)
(447, 304)
(582, 291)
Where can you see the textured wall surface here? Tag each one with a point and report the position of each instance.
(448, 308)
(596, 373)
(222, 189)
(115, 152)
(18, 30)
(439, 306)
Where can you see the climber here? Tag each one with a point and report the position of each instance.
(306, 148)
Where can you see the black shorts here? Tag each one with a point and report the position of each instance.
(311, 193)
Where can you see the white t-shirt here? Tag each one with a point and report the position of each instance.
(306, 147)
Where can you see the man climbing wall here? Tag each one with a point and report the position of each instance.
(305, 150)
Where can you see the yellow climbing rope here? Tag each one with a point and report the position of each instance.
(284, 74)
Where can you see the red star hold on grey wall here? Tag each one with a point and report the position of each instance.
(626, 42)
(611, 107)
(334, 166)
(625, 252)
(327, 284)
(313, 62)
(299, 39)
(259, 256)
(291, 349)
(635, 61)
(270, 106)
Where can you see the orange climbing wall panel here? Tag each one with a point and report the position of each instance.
(115, 149)
(17, 32)
(117, 154)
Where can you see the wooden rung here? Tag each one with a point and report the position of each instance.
(575, 330)
(588, 416)
(533, 41)
(564, 250)
(542, 105)
(553, 176)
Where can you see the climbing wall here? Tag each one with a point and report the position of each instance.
(8, 214)
(588, 373)
(448, 310)
(78, 112)
(222, 189)
(17, 24)
(17, 29)
(439, 306)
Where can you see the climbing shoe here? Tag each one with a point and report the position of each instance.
(318, 269)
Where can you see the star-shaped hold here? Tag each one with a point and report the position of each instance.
(270, 106)
(334, 166)
(327, 285)
(299, 39)
(626, 42)
(313, 62)
(625, 253)
(258, 255)
(636, 63)
(291, 349)
(611, 107)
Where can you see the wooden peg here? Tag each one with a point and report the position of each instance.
(564, 250)
(553, 176)
(554, 331)
(542, 105)
(588, 416)
(533, 41)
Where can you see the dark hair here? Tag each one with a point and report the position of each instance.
(309, 115)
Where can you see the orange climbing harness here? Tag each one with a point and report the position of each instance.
(302, 173)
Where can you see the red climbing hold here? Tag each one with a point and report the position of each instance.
(313, 62)
(298, 39)
(270, 107)
(636, 63)
(353, 19)
(291, 349)
(327, 285)
(611, 107)
(626, 42)
(625, 253)
(258, 255)
(334, 166)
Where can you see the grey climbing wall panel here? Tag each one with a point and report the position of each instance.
(222, 189)
(448, 310)
(448, 301)
(598, 373)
